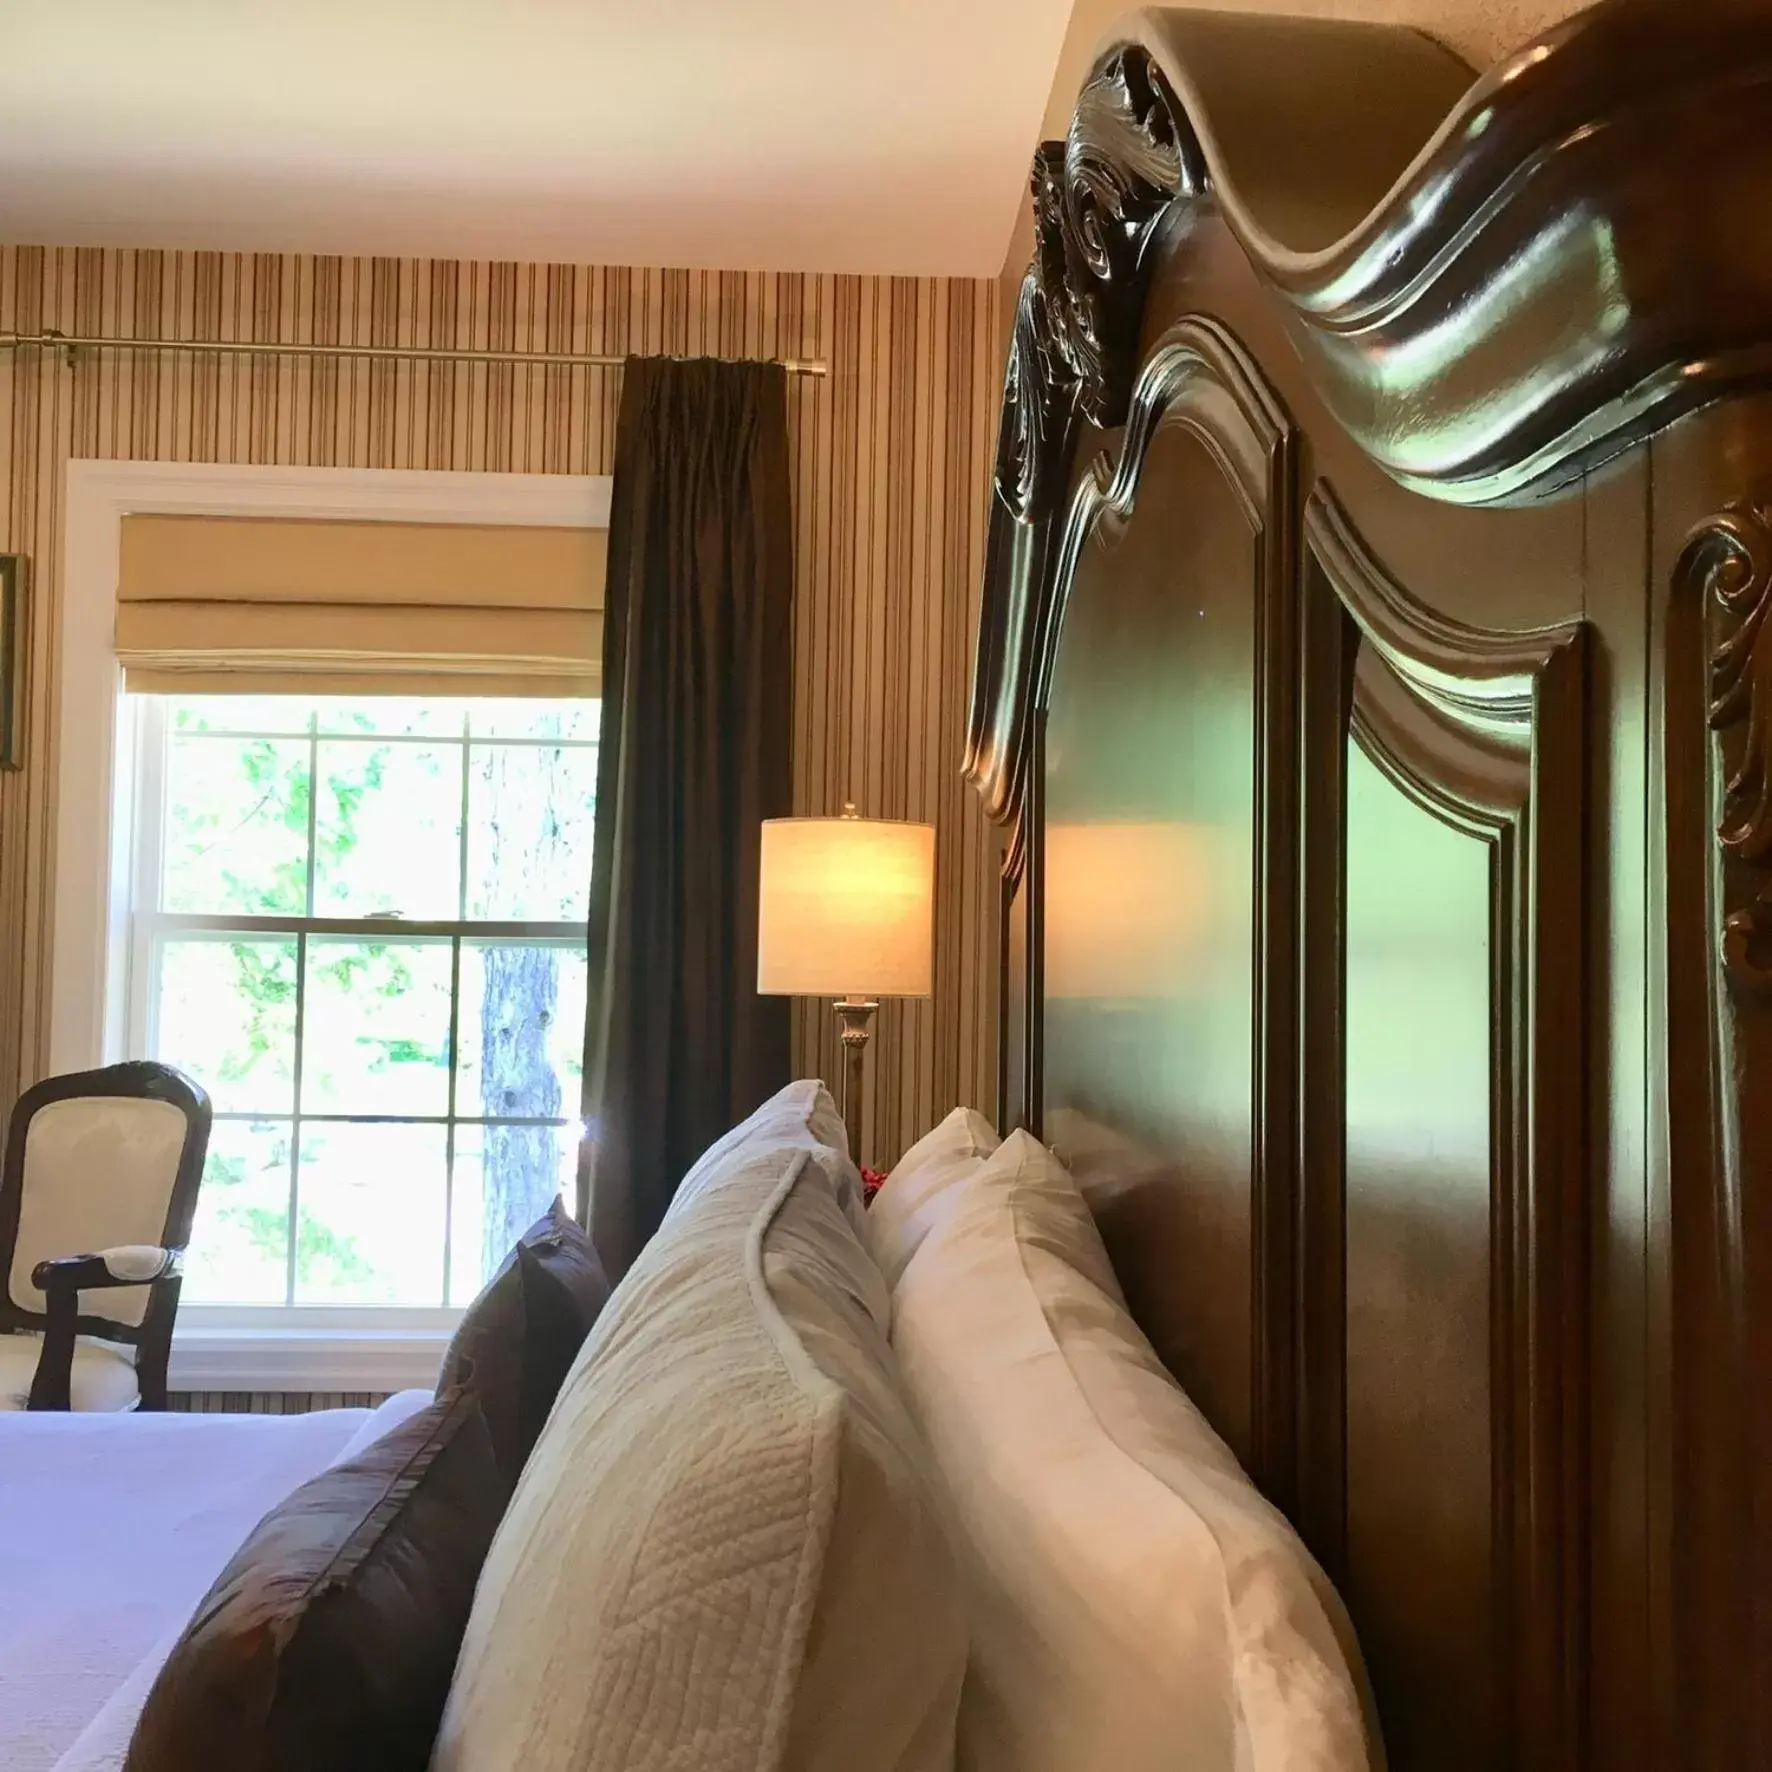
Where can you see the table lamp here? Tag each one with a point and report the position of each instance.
(846, 909)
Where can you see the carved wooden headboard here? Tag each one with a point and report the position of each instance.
(1375, 688)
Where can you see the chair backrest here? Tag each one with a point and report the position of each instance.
(94, 1160)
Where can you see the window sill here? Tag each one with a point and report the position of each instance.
(284, 1359)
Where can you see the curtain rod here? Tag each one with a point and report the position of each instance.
(51, 340)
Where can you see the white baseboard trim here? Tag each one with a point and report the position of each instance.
(306, 1359)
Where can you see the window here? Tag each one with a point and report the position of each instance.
(360, 924)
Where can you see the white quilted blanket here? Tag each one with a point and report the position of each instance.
(111, 1529)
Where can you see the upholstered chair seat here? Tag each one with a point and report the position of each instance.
(101, 1378)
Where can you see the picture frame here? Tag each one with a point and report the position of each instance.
(12, 661)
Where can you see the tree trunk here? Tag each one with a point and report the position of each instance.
(521, 1174)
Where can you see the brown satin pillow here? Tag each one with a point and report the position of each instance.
(518, 1339)
(328, 1642)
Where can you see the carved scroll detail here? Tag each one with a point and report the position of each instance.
(1099, 197)
(1126, 159)
(1038, 396)
(1731, 556)
(1433, 301)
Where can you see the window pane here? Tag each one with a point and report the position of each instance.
(530, 822)
(376, 1037)
(521, 1032)
(371, 1215)
(240, 1240)
(388, 836)
(239, 713)
(515, 717)
(506, 1177)
(393, 715)
(236, 825)
(227, 1016)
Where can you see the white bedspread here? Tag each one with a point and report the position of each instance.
(111, 1529)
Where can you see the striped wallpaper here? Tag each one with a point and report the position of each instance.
(890, 458)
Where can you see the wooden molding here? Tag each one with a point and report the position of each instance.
(1718, 1056)
(1518, 291)
(1509, 289)
(1729, 560)
(1196, 374)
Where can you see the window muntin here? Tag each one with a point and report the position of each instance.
(360, 924)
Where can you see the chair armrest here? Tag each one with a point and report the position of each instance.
(131, 1264)
(62, 1281)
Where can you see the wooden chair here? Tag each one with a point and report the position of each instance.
(107, 1161)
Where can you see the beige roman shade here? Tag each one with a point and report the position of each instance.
(264, 605)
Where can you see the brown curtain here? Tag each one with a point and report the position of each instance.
(697, 722)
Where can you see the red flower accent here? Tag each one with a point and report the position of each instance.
(872, 1180)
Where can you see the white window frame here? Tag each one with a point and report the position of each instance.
(151, 926)
(97, 840)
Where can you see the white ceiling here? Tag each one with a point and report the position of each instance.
(738, 134)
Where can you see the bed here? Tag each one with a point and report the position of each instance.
(1372, 689)
(99, 1574)
(1372, 692)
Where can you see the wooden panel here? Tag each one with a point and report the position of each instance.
(1150, 893)
(1626, 1616)
(1463, 1172)
(1419, 1384)
(1165, 904)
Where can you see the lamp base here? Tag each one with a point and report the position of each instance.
(856, 1015)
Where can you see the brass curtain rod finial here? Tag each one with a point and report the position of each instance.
(52, 340)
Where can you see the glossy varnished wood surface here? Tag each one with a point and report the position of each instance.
(1711, 1099)
(1508, 1268)
(1418, 1256)
(1149, 894)
(1164, 904)
(1461, 1122)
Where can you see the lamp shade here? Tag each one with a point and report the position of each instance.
(846, 907)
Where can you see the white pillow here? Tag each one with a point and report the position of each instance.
(898, 1218)
(725, 1549)
(1136, 1604)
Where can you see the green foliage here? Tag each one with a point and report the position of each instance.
(288, 795)
(405, 1052)
(317, 1245)
(267, 986)
(321, 1251)
(265, 977)
(222, 1171)
(336, 836)
(276, 839)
